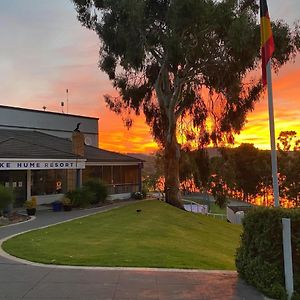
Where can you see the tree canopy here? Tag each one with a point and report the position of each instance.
(191, 59)
(289, 165)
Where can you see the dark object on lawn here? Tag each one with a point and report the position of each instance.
(138, 210)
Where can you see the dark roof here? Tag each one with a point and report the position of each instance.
(46, 112)
(15, 148)
(94, 154)
(35, 144)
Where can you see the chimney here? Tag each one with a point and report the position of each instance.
(78, 143)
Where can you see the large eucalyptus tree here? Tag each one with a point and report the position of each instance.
(183, 58)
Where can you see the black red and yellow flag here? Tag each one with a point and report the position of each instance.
(267, 42)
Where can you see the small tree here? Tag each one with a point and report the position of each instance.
(203, 168)
(218, 190)
(287, 140)
(172, 59)
(245, 169)
(6, 198)
(289, 165)
(186, 168)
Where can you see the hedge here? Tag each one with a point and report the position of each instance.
(259, 259)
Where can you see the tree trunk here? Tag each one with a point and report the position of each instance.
(168, 95)
(171, 161)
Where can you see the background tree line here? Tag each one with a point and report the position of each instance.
(243, 172)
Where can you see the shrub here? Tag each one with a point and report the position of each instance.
(6, 198)
(31, 203)
(259, 259)
(81, 197)
(144, 192)
(149, 183)
(66, 201)
(99, 189)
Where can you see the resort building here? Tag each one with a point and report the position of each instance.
(42, 155)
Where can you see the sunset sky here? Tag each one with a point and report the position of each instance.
(44, 51)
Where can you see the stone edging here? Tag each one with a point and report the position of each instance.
(18, 223)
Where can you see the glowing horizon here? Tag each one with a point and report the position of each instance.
(256, 131)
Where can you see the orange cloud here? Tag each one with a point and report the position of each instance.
(286, 96)
(114, 136)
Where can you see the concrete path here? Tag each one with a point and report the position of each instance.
(20, 280)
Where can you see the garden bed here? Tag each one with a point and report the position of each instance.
(14, 218)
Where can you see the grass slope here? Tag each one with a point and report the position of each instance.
(159, 236)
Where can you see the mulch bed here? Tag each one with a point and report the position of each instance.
(13, 218)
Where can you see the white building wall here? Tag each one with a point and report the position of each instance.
(58, 124)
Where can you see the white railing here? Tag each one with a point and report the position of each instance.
(195, 207)
(217, 216)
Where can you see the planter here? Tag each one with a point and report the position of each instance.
(31, 211)
(67, 207)
(56, 206)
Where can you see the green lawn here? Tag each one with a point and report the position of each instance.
(215, 209)
(159, 236)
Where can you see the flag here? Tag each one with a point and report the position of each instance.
(267, 42)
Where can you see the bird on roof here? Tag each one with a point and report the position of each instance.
(77, 127)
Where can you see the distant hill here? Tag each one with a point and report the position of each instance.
(149, 160)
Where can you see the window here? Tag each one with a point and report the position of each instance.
(47, 182)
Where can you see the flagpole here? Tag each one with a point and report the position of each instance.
(272, 135)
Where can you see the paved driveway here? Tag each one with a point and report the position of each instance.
(20, 280)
